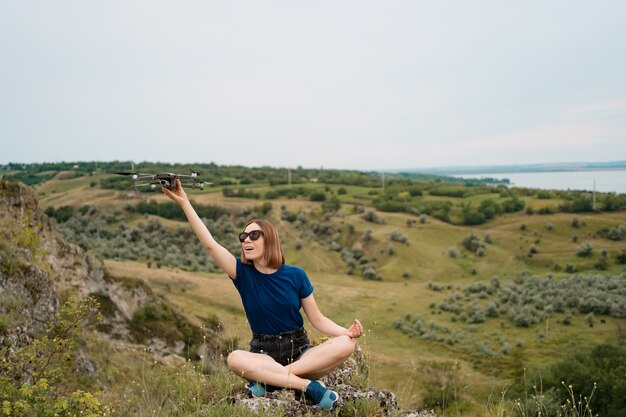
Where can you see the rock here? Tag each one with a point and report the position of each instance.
(342, 380)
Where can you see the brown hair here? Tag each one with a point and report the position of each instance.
(273, 255)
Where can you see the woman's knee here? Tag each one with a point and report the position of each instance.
(346, 345)
(236, 360)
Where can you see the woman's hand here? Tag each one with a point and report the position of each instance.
(356, 330)
(178, 195)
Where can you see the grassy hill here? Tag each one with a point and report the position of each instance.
(404, 272)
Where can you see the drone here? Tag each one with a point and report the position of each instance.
(167, 180)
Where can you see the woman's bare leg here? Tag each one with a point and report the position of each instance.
(320, 360)
(314, 363)
(262, 368)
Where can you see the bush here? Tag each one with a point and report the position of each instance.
(567, 319)
(581, 203)
(331, 205)
(62, 214)
(546, 210)
(615, 233)
(584, 250)
(472, 216)
(512, 205)
(472, 243)
(372, 217)
(399, 237)
(599, 371)
(45, 359)
(603, 261)
(317, 196)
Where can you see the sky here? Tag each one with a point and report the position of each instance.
(334, 84)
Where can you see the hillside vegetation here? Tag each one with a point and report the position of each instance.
(465, 289)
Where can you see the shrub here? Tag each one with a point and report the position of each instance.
(452, 252)
(615, 233)
(372, 217)
(599, 371)
(581, 203)
(567, 319)
(472, 243)
(399, 237)
(331, 205)
(472, 216)
(317, 196)
(603, 261)
(62, 214)
(584, 250)
(45, 359)
(546, 210)
(512, 205)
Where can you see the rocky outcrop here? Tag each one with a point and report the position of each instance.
(345, 381)
(38, 268)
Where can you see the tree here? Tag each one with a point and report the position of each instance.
(600, 371)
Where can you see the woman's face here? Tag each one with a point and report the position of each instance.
(253, 248)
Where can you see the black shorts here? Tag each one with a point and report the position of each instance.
(284, 348)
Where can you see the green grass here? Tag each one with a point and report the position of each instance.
(404, 365)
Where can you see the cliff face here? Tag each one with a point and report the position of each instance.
(38, 269)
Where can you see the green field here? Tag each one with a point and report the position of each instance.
(418, 270)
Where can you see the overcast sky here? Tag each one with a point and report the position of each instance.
(339, 84)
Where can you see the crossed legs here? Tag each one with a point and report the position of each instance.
(313, 364)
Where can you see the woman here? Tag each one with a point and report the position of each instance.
(272, 294)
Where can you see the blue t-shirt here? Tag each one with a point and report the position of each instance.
(272, 301)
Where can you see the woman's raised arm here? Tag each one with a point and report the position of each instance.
(220, 254)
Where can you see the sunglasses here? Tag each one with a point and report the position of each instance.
(254, 235)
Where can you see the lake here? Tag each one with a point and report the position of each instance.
(605, 180)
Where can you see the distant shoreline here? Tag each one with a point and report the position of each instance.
(527, 168)
(603, 180)
(537, 171)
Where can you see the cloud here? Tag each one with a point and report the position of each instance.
(607, 106)
(542, 143)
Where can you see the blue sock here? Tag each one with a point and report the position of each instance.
(322, 396)
(256, 389)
